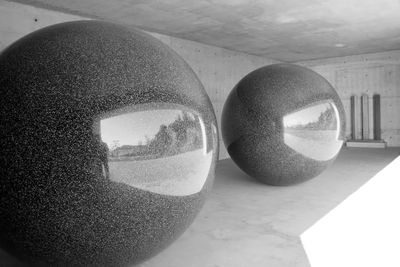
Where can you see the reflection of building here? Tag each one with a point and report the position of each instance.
(122, 151)
(129, 151)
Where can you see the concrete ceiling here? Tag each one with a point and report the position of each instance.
(285, 30)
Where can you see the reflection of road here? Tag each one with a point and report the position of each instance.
(317, 145)
(178, 175)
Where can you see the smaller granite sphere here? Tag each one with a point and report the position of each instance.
(108, 146)
(283, 124)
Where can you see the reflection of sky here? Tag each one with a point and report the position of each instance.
(304, 116)
(131, 128)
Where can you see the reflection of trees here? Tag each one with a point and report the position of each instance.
(162, 141)
(326, 121)
(182, 135)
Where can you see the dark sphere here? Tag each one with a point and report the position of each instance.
(283, 124)
(108, 146)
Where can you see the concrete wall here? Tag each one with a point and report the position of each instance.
(377, 73)
(219, 69)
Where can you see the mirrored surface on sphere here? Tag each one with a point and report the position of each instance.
(314, 131)
(283, 124)
(109, 144)
(155, 147)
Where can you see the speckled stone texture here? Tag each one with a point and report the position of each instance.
(283, 124)
(108, 146)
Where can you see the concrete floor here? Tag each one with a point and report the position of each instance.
(245, 223)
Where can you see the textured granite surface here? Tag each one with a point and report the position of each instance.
(108, 146)
(283, 124)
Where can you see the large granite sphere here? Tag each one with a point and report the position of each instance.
(108, 146)
(283, 124)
